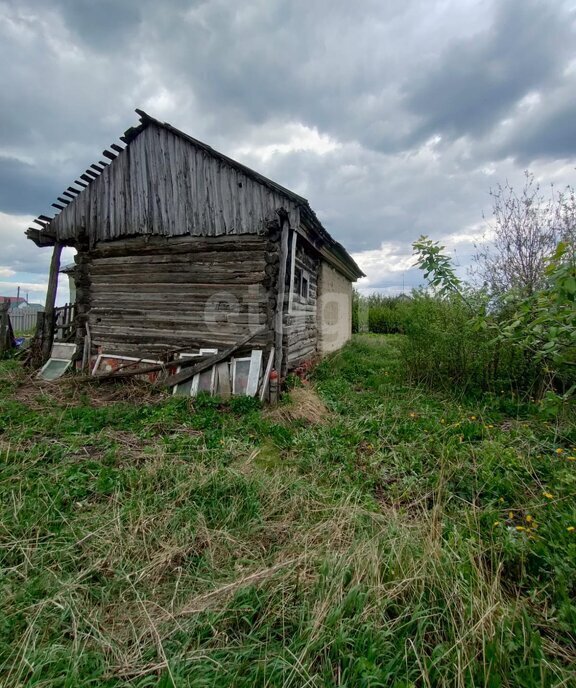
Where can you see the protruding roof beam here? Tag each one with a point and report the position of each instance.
(116, 147)
(68, 195)
(66, 201)
(109, 155)
(73, 190)
(92, 174)
(57, 205)
(40, 237)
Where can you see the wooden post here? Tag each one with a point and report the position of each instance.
(49, 311)
(4, 328)
(279, 318)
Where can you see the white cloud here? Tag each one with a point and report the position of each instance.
(294, 137)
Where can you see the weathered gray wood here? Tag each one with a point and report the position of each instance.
(49, 309)
(223, 387)
(280, 306)
(211, 361)
(199, 194)
(5, 330)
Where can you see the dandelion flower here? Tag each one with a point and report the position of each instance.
(510, 514)
(529, 519)
(548, 495)
(520, 528)
(496, 523)
(472, 417)
(559, 450)
(570, 529)
(571, 458)
(442, 421)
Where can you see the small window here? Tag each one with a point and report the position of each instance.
(301, 283)
(297, 281)
(304, 285)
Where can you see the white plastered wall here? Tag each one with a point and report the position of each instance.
(334, 315)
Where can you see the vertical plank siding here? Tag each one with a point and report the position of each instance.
(162, 184)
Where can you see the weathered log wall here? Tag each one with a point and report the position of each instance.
(162, 184)
(152, 294)
(300, 321)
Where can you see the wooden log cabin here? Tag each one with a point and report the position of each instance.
(179, 246)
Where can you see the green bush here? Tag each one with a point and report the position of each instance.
(448, 346)
(382, 314)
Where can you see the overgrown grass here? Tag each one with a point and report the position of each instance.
(410, 539)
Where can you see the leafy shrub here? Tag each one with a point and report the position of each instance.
(381, 314)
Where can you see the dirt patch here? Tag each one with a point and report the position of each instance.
(304, 404)
(73, 391)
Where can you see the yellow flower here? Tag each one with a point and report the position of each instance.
(510, 514)
(472, 417)
(571, 458)
(570, 529)
(529, 519)
(559, 450)
(519, 528)
(548, 495)
(442, 421)
(501, 500)
(496, 523)
(489, 426)
(412, 415)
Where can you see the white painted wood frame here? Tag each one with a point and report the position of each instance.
(122, 358)
(210, 371)
(254, 374)
(266, 378)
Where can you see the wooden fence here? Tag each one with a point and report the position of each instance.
(23, 319)
(65, 325)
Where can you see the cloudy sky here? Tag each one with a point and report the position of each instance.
(393, 117)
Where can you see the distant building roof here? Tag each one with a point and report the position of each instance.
(14, 300)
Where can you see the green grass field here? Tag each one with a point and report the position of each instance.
(404, 539)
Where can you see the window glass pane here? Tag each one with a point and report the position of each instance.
(242, 369)
(53, 369)
(205, 381)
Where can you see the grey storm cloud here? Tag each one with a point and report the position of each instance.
(476, 81)
(424, 105)
(22, 183)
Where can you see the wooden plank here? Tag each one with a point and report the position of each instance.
(254, 374)
(223, 386)
(4, 327)
(212, 360)
(49, 309)
(279, 317)
(266, 378)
